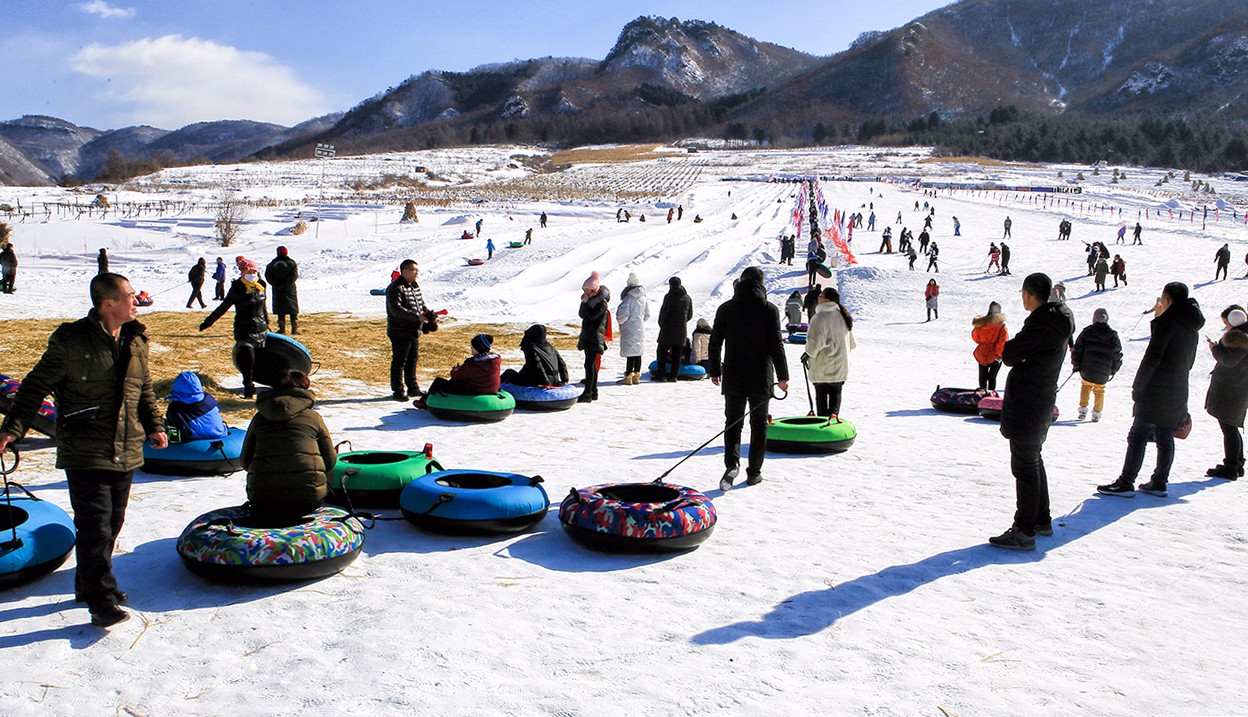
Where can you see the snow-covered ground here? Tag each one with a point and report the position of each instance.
(852, 584)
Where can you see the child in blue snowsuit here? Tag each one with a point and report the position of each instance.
(193, 413)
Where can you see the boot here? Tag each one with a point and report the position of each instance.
(281, 323)
(626, 381)
(636, 378)
(294, 325)
(1083, 412)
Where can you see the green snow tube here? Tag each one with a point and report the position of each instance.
(376, 478)
(515, 244)
(810, 434)
(489, 408)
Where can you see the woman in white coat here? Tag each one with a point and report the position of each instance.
(828, 343)
(631, 317)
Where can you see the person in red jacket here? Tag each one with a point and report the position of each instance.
(478, 375)
(931, 297)
(989, 334)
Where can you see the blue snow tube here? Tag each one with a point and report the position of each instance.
(472, 501)
(543, 398)
(35, 536)
(279, 352)
(797, 338)
(687, 372)
(204, 457)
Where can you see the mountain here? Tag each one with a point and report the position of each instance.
(52, 143)
(18, 169)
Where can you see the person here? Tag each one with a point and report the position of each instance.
(670, 212)
(543, 366)
(957, 227)
(595, 331)
(1122, 234)
(196, 277)
(282, 274)
(8, 268)
(193, 414)
(1136, 235)
(674, 316)
(899, 217)
(933, 254)
(812, 264)
(697, 218)
(1227, 399)
(828, 343)
(479, 223)
(96, 368)
(746, 356)
(1005, 259)
(811, 302)
(680, 211)
(407, 318)
(478, 375)
(288, 453)
(1160, 390)
(251, 320)
(927, 222)
(989, 334)
(931, 297)
(1059, 293)
(886, 241)
(1097, 357)
(101, 261)
(1118, 270)
(489, 248)
(528, 236)
(218, 275)
(1223, 260)
(794, 308)
(1093, 254)
(542, 220)
(1100, 273)
(1008, 224)
(699, 346)
(994, 257)
(924, 239)
(1035, 356)
(631, 316)
(871, 222)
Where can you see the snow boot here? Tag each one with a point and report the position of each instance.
(294, 326)
(1096, 416)
(1222, 470)
(636, 380)
(1083, 412)
(1121, 488)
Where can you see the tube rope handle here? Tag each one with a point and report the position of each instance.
(17, 459)
(442, 499)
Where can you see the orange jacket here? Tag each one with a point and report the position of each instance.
(989, 336)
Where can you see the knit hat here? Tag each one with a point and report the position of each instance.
(592, 283)
(238, 261)
(1101, 316)
(1038, 285)
(481, 343)
(247, 266)
(1236, 318)
(281, 251)
(633, 280)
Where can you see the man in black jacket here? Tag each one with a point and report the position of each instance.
(196, 277)
(1035, 356)
(747, 336)
(406, 318)
(1160, 390)
(674, 317)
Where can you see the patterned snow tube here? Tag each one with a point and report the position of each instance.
(475, 502)
(638, 517)
(44, 421)
(489, 408)
(687, 372)
(543, 398)
(990, 408)
(279, 352)
(45, 537)
(205, 457)
(810, 435)
(958, 400)
(226, 545)
(376, 478)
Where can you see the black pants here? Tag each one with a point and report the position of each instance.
(1232, 446)
(669, 359)
(632, 364)
(245, 356)
(404, 353)
(591, 373)
(197, 292)
(734, 409)
(99, 500)
(828, 398)
(988, 375)
(1221, 270)
(220, 291)
(1031, 486)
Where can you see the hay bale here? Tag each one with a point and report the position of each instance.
(300, 228)
(409, 214)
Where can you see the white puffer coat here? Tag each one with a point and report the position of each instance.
(631, 318)
(828, 344)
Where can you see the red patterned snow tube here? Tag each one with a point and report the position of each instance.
(638, 517)
(959, 400)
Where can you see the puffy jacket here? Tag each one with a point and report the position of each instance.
(196, 274)
(594, 317)
(543, 366)
(1035, 356)
(194, 413)
(287, 452)
(794, 309)
(1097, 355)
(699, 349)
(746, 349)
(405, 307)
(478, 375)
(1227, 399)
(674, 316)
(282, 273)
(631, 317)
(218, 274)
(989, 334)
(251, 318)
(99, 425)
(828, 344)
(1160, 387)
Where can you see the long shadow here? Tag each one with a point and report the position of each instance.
(905, 323)
(405, 420)
(79, 637)
(901, 412)
(555, 551)
(811, 612)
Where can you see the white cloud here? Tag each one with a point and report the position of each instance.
(103, 9)
(172, 81)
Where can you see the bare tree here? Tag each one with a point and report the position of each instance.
(230, 217)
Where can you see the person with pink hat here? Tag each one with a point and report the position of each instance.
(251, 319)
(595, 331)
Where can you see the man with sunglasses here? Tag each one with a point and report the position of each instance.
(407, 317)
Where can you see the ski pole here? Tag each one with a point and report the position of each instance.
(1137, 321)
(1059, 388)
(695, 451)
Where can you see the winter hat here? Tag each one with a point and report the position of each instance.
(247, 266)
(1038, 285)
(633, 280)
(704, 324)
(994, 308)
(752, 274)
(481, 343)
(592, 283)
(674, 282)
(281, 251)
(1236, 318)
(238, 261)
(1101, 316)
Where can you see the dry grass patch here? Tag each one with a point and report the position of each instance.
(981, 161)
(606, 155)
(350, 351)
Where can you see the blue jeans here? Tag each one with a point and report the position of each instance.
(1137, 438)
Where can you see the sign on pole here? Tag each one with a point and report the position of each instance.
(325, 150)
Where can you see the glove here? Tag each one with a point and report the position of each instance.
(203, 327)
(806, 360)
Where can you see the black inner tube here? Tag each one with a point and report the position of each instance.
(11, 517)
(640, 493)
(473, 481)
(374, 459)
(806, 420)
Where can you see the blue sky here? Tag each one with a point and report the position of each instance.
(167, 63)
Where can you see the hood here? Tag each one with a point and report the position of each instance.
(602, 297)
(282, 404)
(534, 335)
(704, 325)
(1235, 338)
(630, 290)
(1184, 313)
(751, 291)
(1059, 313)
(987, 320)
(677, 292)
(187, 388)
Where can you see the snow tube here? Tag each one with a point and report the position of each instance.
(515, 244)
(228, 545)
(823, 270)
(377, 292)
(471, 409)
(45, 419)
(797, 338)
(475, 262)
(810, 434)
(279, 352)
(376, 478)
(475, 502)
(638, 517)
(543, 398)
(797, 328)
(45, 536)
(958, 400)
(990, 408)
(687, 372)
(143, 299)
(204, 457)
